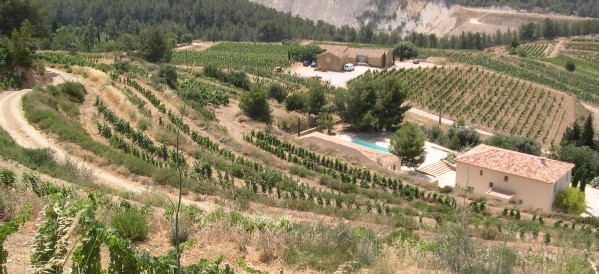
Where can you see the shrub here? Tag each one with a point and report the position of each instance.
(570, 66)
(446, 189)
(130, 223)
(488, 233)
(169, 74)
(403, 221)
(277, 92)
(570, 200)
(255, 105)
(296, 102)
(74, 90)
(184, 230)
(39, 156)
(402, 235)
(325, 248)
(522, 53)
(7, 177)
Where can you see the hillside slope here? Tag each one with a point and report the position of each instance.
(439, 17)
(389, 15)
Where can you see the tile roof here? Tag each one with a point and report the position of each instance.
(353, 52)
(516, 163)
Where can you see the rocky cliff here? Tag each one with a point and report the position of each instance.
(401, 15)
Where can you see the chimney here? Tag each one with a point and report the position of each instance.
(542, 160)
(379, 161)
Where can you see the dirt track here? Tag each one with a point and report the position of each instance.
(14, 122)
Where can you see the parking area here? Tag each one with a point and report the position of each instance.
(340, 79)
(337, 79)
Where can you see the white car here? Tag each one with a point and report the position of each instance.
(348, 67)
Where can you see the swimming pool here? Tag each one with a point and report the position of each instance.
(370, 145)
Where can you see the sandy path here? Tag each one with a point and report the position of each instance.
(435, 117)
(475, 21)
(557, 48)
(14, 122)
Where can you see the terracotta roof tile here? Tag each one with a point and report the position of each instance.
(353, 52)
(516, 163)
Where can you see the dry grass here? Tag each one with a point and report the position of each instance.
(122, 104)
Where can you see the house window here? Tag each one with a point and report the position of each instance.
(505, 178)
(470, 189)
(328, 59)
(481, 172)
(490, 184)
(520, 201)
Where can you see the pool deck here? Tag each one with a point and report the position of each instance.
(381, 158)
(433, 153)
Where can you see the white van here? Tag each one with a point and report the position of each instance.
(348, 67)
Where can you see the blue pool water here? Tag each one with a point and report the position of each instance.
(370, 145)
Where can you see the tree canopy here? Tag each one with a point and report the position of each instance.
(14, 12)
(408, 144)
(526, 145)
(372, 103)
(405, 50)
(570, 200)
(154, 46)
(231, 20)
(254, 104)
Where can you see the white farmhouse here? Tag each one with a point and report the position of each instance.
(507, 175)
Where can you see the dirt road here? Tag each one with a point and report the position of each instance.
(14, 122)
(557, 48)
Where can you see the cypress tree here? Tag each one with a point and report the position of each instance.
(588, 132)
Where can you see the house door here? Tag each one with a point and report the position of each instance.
(361, 59)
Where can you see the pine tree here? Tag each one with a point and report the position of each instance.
(588, 133)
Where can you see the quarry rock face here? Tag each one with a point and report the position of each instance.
(394, 15)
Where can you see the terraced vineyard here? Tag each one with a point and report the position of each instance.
(488, 100)
(583, 86)
(534, 50)
(254, 58)
(586, 45)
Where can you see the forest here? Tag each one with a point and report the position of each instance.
(210, 20)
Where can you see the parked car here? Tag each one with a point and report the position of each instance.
(416, 61)
(306, 63)
(314, 64)
(348, 67)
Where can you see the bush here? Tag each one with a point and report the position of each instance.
(458, 138)
(522, 53)
(39, 156)
(296, 102)
(570, 66)
(570, 200)
(184, 230)
(324, 248)
(75, 90)
(255, 105)
(277, 92)
(446, 189)
(402, 235)
(130, 223)
(7, 178)
(488, 233)
(403, 221)
(169, 74)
